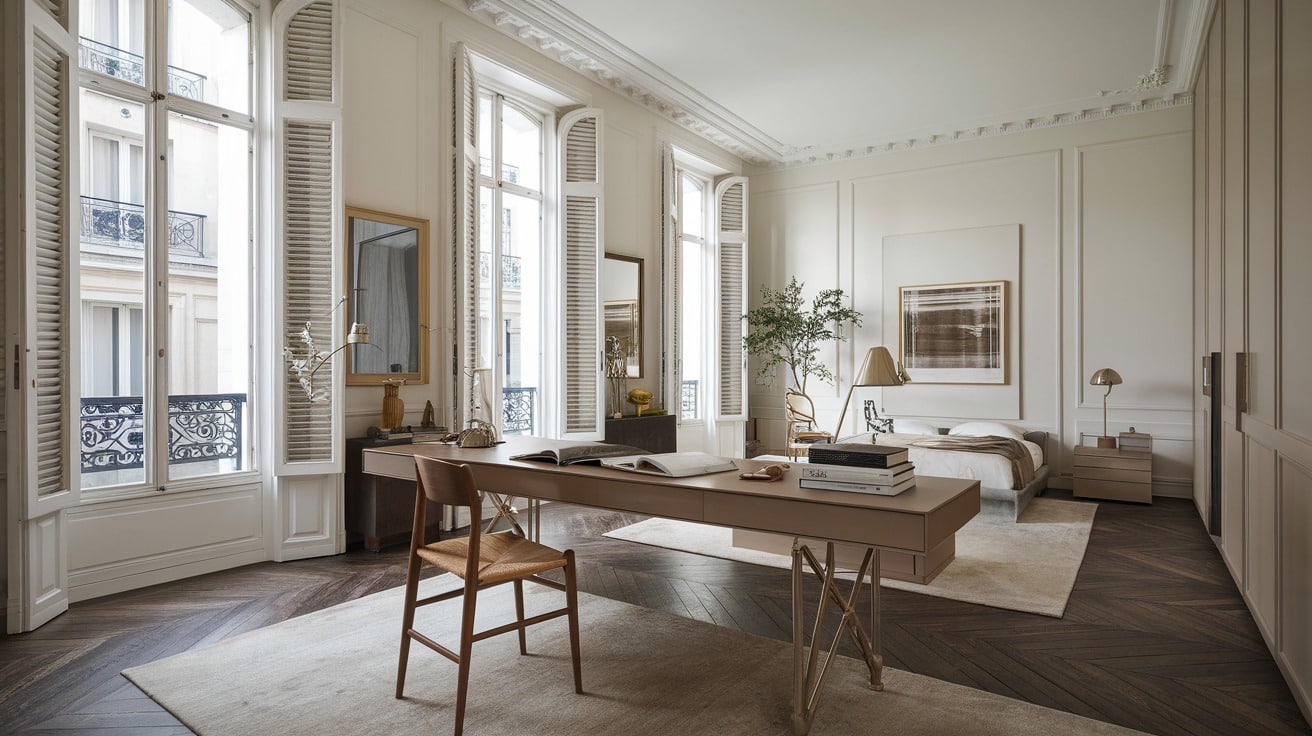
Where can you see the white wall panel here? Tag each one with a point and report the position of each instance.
(118, 540)
(1018, 189)
(1135, 259)
(1296, 219)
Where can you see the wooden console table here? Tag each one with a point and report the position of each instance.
(379, 511)
(653, 433)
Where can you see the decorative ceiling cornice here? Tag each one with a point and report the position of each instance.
(570, 40)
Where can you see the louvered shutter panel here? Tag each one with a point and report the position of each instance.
(308, 278)
(731, 275)
(308, 125)
(308, 54)
(671, 275)
(49, 270)
(581, 218)
(464, 236)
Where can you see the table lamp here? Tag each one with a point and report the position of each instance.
(878, 369)
(1105, 377)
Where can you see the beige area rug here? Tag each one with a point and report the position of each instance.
(644, 672)
(1028, 565)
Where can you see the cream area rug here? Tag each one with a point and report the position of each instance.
(644, 672)
(1027, 565)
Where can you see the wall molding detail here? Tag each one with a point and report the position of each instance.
(573, 42)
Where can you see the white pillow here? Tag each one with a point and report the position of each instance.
(986, 429)
(913, 426)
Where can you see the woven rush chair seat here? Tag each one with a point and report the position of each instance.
(502, 556)
(481, 560)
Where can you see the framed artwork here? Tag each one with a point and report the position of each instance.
(954, 333)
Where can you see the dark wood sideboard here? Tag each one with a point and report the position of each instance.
(380, 511)
(652, 433)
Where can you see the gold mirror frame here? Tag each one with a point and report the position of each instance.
(623, 316)
(367, 294)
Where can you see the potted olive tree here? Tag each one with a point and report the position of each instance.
(786, 330)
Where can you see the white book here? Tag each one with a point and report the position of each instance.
(878, 489)
(672, 464)
(855, 474)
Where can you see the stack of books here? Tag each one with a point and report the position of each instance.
(884, 471)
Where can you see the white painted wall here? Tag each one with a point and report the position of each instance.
(396, 87)
(1105, 273)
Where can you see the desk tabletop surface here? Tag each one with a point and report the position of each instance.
(929, 493)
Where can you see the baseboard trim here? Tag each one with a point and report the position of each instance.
(147, 578)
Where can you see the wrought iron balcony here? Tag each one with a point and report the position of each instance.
(115, 62)
(201, 427)
(688, 400)
(510, 275)
(125, 225)
(517, 409)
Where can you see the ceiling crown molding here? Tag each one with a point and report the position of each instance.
(570, 40)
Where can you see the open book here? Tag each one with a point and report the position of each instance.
(672, 464)
(589, 453)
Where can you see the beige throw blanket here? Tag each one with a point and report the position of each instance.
(1022, 463)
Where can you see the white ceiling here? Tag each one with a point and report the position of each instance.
(794, 81)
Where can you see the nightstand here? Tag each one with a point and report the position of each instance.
(1115, 474)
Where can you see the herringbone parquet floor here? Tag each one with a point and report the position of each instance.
(1155, 637)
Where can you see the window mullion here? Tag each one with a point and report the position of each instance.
(155, 312)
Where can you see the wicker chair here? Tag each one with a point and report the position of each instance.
(482, 560)
(801, 424)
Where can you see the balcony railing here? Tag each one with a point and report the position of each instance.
(688, 400)
(115, 62)
(201, 427)
(517, 409)
(125, 224)
(510, 276)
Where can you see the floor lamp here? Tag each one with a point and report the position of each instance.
(878, 369)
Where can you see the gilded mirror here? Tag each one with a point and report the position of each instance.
(387, 282)
(621, 301)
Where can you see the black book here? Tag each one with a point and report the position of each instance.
(857, 454)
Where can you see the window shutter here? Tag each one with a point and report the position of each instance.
(49, 195)
(731, 275)
(308, 279)
(43, 414)
(671, 369)
(464, 236)
(308, 184)
(581, 195)
(308, 54)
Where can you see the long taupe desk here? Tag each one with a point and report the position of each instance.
(914, 522)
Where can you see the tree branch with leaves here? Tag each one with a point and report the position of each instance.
(785, 329)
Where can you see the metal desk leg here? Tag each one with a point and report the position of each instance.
(808, 669)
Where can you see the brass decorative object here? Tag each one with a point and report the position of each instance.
(641, 399)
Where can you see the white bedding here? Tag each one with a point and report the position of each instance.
(989, 469)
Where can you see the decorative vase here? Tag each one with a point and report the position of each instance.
(393, 406)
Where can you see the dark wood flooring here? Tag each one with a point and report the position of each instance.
(1156, 636)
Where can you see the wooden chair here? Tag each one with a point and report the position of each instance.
(801, 424)
(482, 560)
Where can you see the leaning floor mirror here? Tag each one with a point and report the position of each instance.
(387, 275)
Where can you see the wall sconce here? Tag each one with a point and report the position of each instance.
(1105, 377)
(314, 359)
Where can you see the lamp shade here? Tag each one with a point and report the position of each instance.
(878, 369)
(1105, 377)
(359, 333)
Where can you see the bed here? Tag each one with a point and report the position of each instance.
(999, 480)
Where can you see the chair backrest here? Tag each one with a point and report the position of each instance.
(451, 484)
(799, 407)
